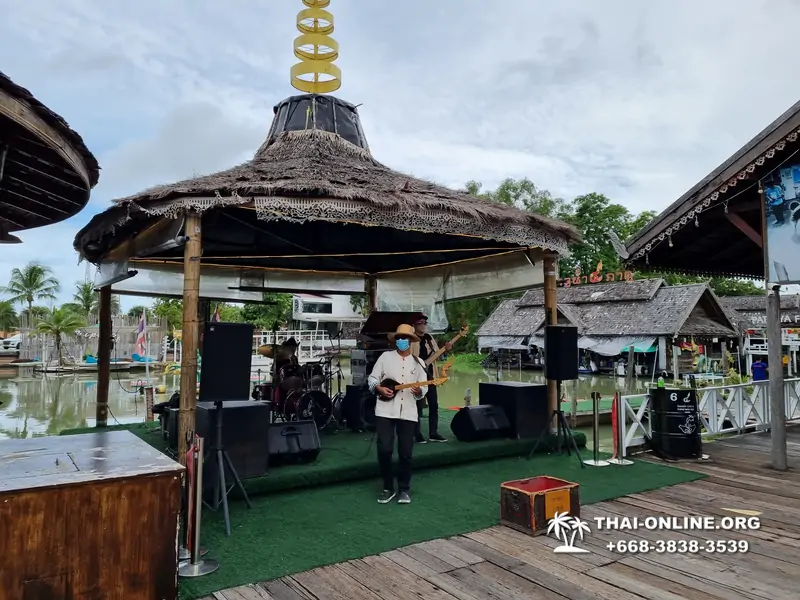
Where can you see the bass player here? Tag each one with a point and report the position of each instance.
(396, 411)
(425, 347)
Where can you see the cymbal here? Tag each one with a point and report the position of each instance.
(282, 351)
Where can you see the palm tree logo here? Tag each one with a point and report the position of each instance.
(566, 529)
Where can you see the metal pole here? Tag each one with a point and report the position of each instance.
(596, 462)
(196, 566)
(777, 404)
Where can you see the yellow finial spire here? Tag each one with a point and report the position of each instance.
(316, 73)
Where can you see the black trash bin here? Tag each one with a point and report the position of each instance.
(675, 423)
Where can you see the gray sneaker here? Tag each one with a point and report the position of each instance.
(386, 496)
(404, 498)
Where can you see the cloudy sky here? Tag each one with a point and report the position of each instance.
(636, 100)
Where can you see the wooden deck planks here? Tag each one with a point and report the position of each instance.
(503, 564)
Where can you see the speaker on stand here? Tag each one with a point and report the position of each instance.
(225, 371)
(560, 364)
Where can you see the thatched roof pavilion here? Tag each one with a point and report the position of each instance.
(46, 170)
(313, 189)
(314, 211)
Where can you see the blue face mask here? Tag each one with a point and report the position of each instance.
(402, 345)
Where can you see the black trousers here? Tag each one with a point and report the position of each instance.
(388, 430)
(433, 412)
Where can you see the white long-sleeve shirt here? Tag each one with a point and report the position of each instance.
(403, 369)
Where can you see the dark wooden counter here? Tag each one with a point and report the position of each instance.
(88, 517)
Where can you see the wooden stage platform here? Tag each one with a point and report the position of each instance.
(502, 564)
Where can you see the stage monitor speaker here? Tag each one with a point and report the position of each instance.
(226, 357)
(293, 442)
(525, 405)
(243, 426)
(561, 352)
(479, 423)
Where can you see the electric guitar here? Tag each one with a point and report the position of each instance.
(464, 331)
(396, 387)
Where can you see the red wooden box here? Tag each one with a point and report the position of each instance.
(529, 504)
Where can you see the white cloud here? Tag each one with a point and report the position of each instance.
(635, 100)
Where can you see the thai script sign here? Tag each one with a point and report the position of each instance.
(596, 276)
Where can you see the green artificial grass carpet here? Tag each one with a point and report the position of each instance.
(348, 456)
(298, 530)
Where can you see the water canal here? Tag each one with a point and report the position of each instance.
(36, 405)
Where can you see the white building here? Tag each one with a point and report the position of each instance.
(328, 315)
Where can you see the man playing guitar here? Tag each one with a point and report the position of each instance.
(396, 410)
(423, 349)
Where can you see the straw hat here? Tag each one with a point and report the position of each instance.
(406, 330)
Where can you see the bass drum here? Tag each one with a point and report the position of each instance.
(315, 405)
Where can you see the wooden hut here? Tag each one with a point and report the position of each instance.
(315, 212)
(750, 312)
(46, 170)
(667, 326)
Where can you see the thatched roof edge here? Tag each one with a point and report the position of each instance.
(54, 120)
(316, 175)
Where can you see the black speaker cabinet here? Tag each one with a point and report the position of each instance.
(356, 399)
(525, 404)
(293, 442)
(244, 424)
(225, 369)
(560, 352)
(478, 423)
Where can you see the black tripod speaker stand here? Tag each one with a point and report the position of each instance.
(562, 430)
(220, 456)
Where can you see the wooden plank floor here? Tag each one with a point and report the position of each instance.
(501, 564)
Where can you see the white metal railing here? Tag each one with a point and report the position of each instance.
(310, 341)
(725, 409)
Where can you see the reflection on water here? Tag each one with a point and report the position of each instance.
(462, 379)
(33, 405)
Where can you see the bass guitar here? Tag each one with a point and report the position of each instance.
(396, 387)
(462, 332)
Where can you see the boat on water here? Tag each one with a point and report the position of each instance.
(116, 365)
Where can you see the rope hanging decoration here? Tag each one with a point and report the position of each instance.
(316, 50)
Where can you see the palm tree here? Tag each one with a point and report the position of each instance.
(9, 321)
(34, 282)
(60, 322)
(86, 300)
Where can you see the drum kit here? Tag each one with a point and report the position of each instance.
(303, 392)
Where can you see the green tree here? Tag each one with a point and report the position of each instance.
(227, 313)
(9, 321)
(136, 312)
(358, 302)
(595, 216)
(170, 309)
(521, 193)
(278, 309)
(59, 323)
(33, 282)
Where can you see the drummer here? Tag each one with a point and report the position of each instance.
(287, 355)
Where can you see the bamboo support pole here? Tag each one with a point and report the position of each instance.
(103, 357)
(550, 266)
(191, 334)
